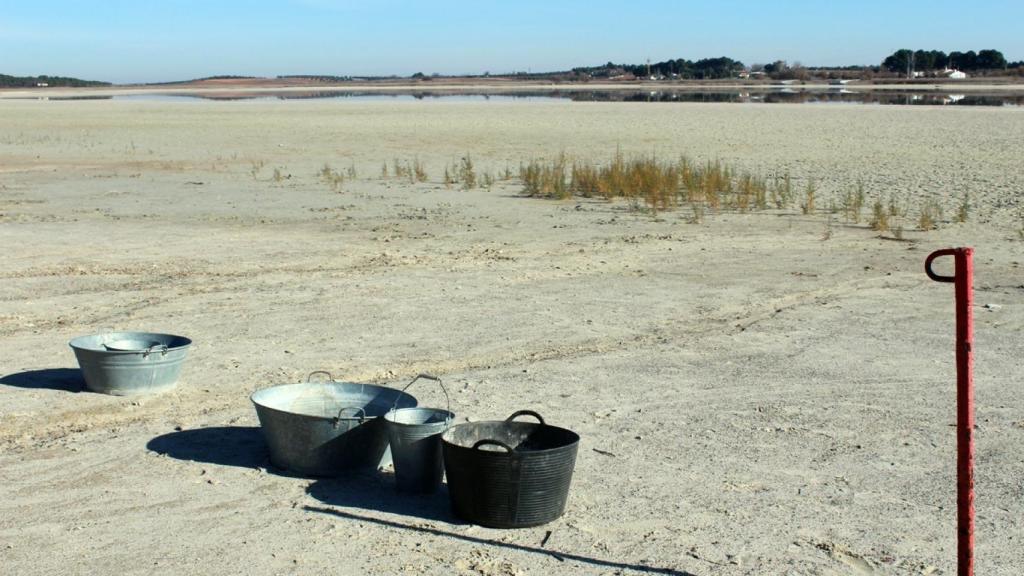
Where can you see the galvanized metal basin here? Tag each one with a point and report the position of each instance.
(327, 428)
(128, 363)
(508, 474)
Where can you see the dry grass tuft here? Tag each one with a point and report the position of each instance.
(467, 173)
(412, 170)
(810, 193)
(853, 203)
(419, 171)
(545, 179)
(333, 178)
(649, 183)
(964, 210)
(929, 215)
(782, 191)
(254, 168)
(879, 217)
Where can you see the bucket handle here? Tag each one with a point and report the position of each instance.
(359, 410)
(162, 347)
(425, 376)
(488, 442)
(325, 372)
(518, 413)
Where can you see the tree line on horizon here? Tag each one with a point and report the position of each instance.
(703, 69)
(904, 60)
(7, 81)
(985, 62)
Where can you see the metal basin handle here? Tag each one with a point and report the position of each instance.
(330, 378)
(518, 413)
(447, 399)
(162, 347)
(359, 410)
(487, 442)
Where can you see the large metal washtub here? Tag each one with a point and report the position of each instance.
(327, 428)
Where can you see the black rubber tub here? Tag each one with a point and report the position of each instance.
(509, 474)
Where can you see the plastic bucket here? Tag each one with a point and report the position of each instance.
(415, 437)
(508, 474)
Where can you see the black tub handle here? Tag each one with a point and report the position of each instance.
(518, 413)
(485, 442)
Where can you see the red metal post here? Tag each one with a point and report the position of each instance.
(963, 280)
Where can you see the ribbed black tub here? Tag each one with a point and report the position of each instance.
(509, 474)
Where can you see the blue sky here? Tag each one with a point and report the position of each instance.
(154, 40)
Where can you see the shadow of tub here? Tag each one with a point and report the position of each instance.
(64, 379)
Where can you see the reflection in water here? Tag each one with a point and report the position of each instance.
(768, 96)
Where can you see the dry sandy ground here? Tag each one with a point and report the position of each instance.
(753, 398)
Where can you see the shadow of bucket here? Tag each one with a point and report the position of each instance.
(415, 438)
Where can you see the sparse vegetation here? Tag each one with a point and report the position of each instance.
(879, 217)
(655, 185)
(810, 192)
(929, 215)
(888, 217)
(650, 183)
(545, 179)
(419, 171)
(255, 167)
(698, 212)
(333, 178)
(400, 170)
(853, 203)
(782, 191)
(467, 175)
(462, 172)
(964, 210)
(412, 170)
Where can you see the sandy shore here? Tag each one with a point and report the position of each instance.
(757, 394)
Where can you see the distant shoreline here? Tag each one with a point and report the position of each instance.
(478, 86)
